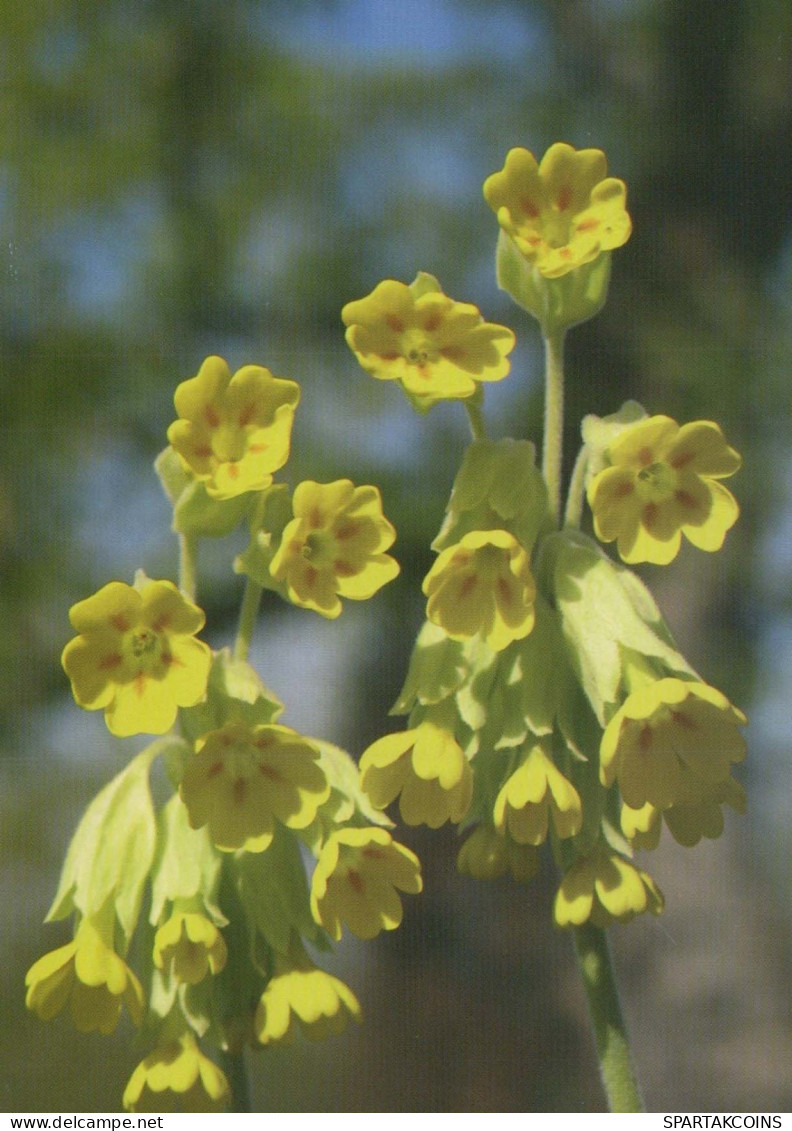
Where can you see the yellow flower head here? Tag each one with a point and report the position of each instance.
(89, 977)
(190, 946)
(427, 767)
(535, 792)
(662, 482)
(241, 779)
(483, 584)
(604, 888)
(136, 656)
(300, 996)
(671, 742)
(437, 349)
(563, 212)
(233, 432)
(177, 1074)
(357, 881)
(699, 814)
(487, 854)
(333, 547)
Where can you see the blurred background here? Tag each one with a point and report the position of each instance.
(185, 177)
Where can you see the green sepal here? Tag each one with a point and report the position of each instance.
(438, 666)
(234, 693)
(265, 538)
(111, 853)
(576, 753)
(195, 512)
(556, 303)
(604, 609)
(498, 486)
(599, 432)
(273, 890)
(347, 802)
(187, 864)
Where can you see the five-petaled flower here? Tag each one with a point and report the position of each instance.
(189, 946)
(334, 546)
(662, 482)
(233, 432)
(301, 996)
(427, 767)
(671, 742)
(604, 888)
(482, 584)
(136, 656)
(437, 349)
(89, 977)
(535, 792)
(561, 213)
(177, 1073)
(357, 881)
(241, 779)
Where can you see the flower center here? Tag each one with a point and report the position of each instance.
(489, 562)
(320, 549)
(420, 350)
(143, 648)
(657, 482)
(555, 227)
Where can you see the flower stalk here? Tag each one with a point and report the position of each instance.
(552, 450)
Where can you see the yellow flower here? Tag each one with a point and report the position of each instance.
(483, 584)
(333, 547)
(427, 767)
(671, 742)
(563, 212)
(437, 349)
(357, 881)
(536, 791)
(604, 888)
(89, 977)
(487, 854)
(241, 779)
(177, 1073)
(299, 995)
(191, 946)
(233, 432)
(136, 656)
(662, 482)
(698, 815)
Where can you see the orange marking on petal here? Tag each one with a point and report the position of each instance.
(650, 514)
(269, 772)
(314, 518)
(109, 662)
(622, 490)
(344, 569)
(645, 456)
(233, 471)
(432, 321)
(140, 683)
(346, 530)
(215, 769)
(685, 499)
(256, 449)
(565, 252)
(356, 881)
(264, 741)
(528, 208)
(311, 577)
(683, 721)
(564, 198)
(505, 594)
(202, 451)
(211, 416)
(120, 622)
(588, 225)
(373, 852)
(394, 323)
(246, 415)
(682, 459)
(391, 356)
(161, 623)
(453, 353)
(238, 791)
(645, 738)
(468, 585)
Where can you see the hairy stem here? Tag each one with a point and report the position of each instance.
(610, 1032)
(233, 1064)
(188, 554)
(554, 419)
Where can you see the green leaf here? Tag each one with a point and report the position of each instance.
(438, 666)
(234, 693)
(273, 889)
(195, 512)
(187, 864)
(265, 539)
(112, 851)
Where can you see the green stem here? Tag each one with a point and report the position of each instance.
(554, 419)
(476, 417)
(188, 555)
(574, 505)
(610, 1032)
(247, 618)
(233, 1064)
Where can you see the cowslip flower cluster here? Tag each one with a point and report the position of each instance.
(211, 885)
(547, 702)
